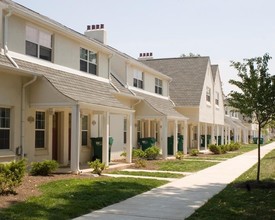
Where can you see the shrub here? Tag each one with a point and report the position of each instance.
(233, 146)
(138, 153)
(97, 166)
(11, 175)
(140, 162)
(223, 148)
(123, 154)
(194, 152)
(152, 153)
(179, 155)
(215, 149)
(43, 168)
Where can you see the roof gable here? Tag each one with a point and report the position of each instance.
(188, 76)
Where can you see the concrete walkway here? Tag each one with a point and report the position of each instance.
(179, 199)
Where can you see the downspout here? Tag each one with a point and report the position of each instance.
(6, 50)
(23, 106)
(23, 91)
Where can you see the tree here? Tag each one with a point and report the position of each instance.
(190, 55)
(256, 99)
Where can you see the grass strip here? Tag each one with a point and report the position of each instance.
(67, 199)
(244, 198)
(184, 165)
(151, 174)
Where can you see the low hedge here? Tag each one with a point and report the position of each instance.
(11, 176)
(222, 149)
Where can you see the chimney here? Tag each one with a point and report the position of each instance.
(145, 56)
(97, 32)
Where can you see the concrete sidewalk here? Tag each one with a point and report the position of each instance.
(180, 198)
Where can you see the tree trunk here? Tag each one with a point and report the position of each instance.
(259, 155)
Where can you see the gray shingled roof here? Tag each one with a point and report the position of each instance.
(119, 85)
(163, 106)
(4, 61)
(214, 69)
(76, 87)
(188, 75)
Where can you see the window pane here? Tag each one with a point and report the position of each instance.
(92, 68)
(83, 66)
(135, 82)
(31, 49)
(83, 54)
(84, 138)
(85, 122)
(45, 39)
(32, 34)
(39, 139)
(4, 139)
(45, 53)
(40, 120)
(4, 118)
(92, 57)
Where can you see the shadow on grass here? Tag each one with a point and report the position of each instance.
(72, 198)
(253, 184)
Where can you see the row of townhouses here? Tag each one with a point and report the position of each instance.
(60, 88)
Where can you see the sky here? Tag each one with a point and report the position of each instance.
(224, 30)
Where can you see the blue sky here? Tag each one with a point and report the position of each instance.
(225, 30)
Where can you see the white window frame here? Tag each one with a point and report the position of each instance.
(6, 127)
(138, 79)
(158, 86)
(40, 129)
(90, 58)
(39, 38)
(208, 94)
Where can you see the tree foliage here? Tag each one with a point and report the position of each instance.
(256, 99)
(190, 55)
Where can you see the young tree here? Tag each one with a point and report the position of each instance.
(256, 99)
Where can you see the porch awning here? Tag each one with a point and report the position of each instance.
(234, 123)
(162, 106)
(77, 87)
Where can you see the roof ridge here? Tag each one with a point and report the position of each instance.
(177, 58)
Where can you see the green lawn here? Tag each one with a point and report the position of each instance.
(183, 165)
(66, 199)
(151, 174)
(236, 202)
(221, 157)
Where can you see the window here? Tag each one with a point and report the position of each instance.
(157, 132)
(208, 94)
(4, 128)
(40, 129)
(125, 131)
(138, 129)
(158, 86)
(38, 43)
(217, 99)
(88, 61)
(138, 79)
(84, 131)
